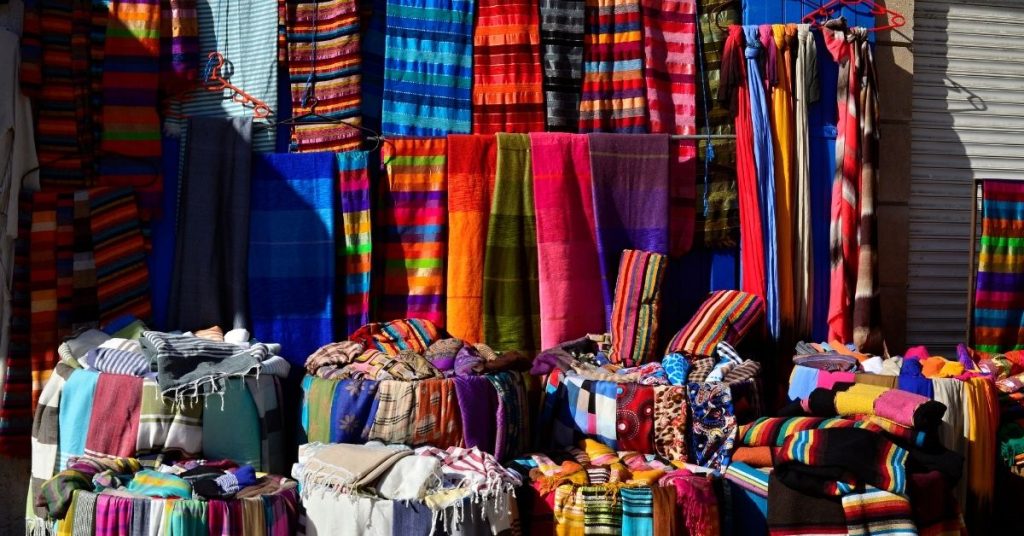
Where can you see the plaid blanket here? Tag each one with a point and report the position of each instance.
(437, 420)
(394, 421)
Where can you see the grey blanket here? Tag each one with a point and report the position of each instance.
(188, 365)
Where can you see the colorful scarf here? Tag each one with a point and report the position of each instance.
(510, 294)
(634, 417)
(113, 515)
(291, 251)
(780, 115)
(16, 399)
(561, 39)
(670, 408)
(568, 511)
(614, 99)
(166, 426)
(114, 421)
(75, 414)
(593, 408)
(806, 93)
(394, 420)
(630, 181)
(714, 424)
(634, 320)
(413, 229)
(179, 45)
(43, 278)
(637, 511)
(725, 316)
(355, 250)
(323, 69)
(602, 510)
(436, 420)
(432, 96)
(319, 400)
(507, 93)
(1000, 281)
(669, 54)
(351, 410)
(513, 415)
(472, 165)
(569, 280)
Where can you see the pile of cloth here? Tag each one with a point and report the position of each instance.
(592, 488)
(123, 496)
(392, 489)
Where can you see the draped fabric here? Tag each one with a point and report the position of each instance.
(510, 295)
(805, 93)
(373, 24)
(781, 119)
(614, 98)
(561, 39)
(428, 66)
(853, 291)
(179, 45)
(356, 245)
(717, 213)
(669, 74)
(569, 278)
(43, 281)
(735, 92)
(472, 164)
(764, 161)
(507, 74)
(323, 70)
(413, 231)
(999, 289)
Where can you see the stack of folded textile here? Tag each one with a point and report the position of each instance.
(122, 496)
(392, 489)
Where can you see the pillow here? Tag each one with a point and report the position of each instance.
(727, 315)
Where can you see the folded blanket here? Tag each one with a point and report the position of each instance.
(344, 468)
(634, 417)
(478, 404)
(839, 461)
(792, 512)
(878, 512)
(773, 431)
(156, 484)
(166, 426)
(900, 407)
(726, 315)
(117, 362)
(190, 365)
(393, 337)
(634, 320)
(436, 421)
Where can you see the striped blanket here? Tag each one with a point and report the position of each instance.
(510, 295)
(634, 320)
(569, 278)
(877, 512)
(168, 427)
(561, 39)
(602, 510)
(413, 229)
(428, 67)
(292, 252)
(999, 290)
(356, 244)
(122, 278)
(323, 69)
(614, 99)
(472, 164)
(507, 90)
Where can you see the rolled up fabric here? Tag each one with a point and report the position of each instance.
(634, 320)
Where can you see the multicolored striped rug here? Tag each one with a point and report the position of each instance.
(999, 289)
(323, 66)
(472, 164)
(561, 39)
(355, 245)
(122, 278)
(634, 324)
(428, 66)
(413, 230)
(507, 78)
(614, 98)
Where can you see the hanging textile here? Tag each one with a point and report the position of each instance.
(998, 319)
(16, 400)
(355, 248)
(472, 164)
(669, 74)
(569, 278)
(634, 320)
(717, 214)
(805, 93)
(413, 230)
(292, 252)
(630, 181)
(507, 78)
(122, 278)
(613, 98)
(853, 298)
(131, 126)
(179, 45)
(373, 23)
(781, 120)
(735, 92)
(213, 225)
(510, 295)
(43, 280)
(323, 68)
(428, 67)
(561, 39)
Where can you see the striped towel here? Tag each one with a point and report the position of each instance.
(43, 262)
(413, 231)
(637, 511)
(669, 73)
(561, 39)
(510, 295)
(355, 247)
(631, 209)
(292, 252)
(117, 362)
(727, 315)
(875, 511)
(569, 278)
(122, 278)
(131, 76)
(428, 67)
(168, 427)
(323, 67)
(114, 421)
(373, 21)
(614, 99)
(999, 290)
(634, 324)
(507, 79)
(472, 164)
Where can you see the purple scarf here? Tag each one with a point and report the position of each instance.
(478, 404)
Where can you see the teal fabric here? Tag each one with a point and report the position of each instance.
(75, 411)
(187, 518)
(231, 425)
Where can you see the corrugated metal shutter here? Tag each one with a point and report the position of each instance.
(968, 122)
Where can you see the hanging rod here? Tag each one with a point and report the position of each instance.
(674, 137)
